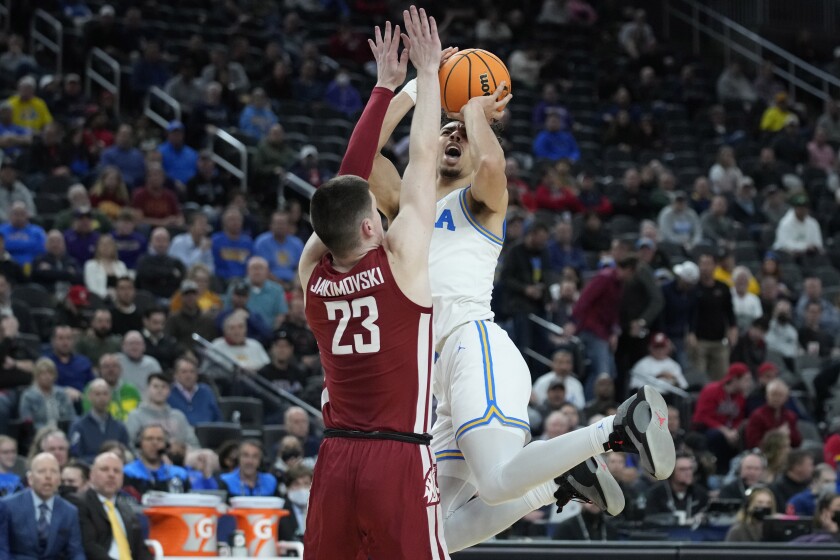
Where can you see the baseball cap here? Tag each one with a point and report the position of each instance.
(27, 81)
(799, 199)
(282, 334)
(308, 150)
(241, 288)
(46, 80)
(556, 382)
(645, 243)
(736, 370)
(107, 10)
(791, 119)
(659, 340)
(83, 212)
(767, 367)
(688, 272)
(771, 256)
(72, 78)
(680, 195)
(174, 125)
(189, 286)
(79, 296)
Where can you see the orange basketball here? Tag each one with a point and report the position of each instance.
(470, 73)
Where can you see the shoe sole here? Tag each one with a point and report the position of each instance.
(654, 439)
(609, 489)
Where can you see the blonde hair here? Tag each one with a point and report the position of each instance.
(121, 191)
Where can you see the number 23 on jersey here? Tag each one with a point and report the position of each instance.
(361, 308)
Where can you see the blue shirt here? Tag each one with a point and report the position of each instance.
(560, 258)
(804, 503)
(24, 244)
(87, 435)
(267, 302)
(13, 130)
(130, 248)
(136, 469)
(202, 407)
(199, 482)
(76, 373)
(230, 255)
(81, 247)
(130, 163)
(9, 484)
(179, 164)
(283, 258)
(256, 122)
(266, 484)
(556, 146)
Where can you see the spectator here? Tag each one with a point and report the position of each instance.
(79, 199)
(590, 196)
(131, 244)
(280, 249)
(679, 496)
(725, 175)
(274, 156)
(49, 156)
(829, 122)
(155, 410)
(309, 169)
(208, 300)
(207, 188)
(202, 466)
(10, 482)
(749, 522)
(296, 325)
(15, 62)
(53, 441)
(714, 321)
(257, 117)
(102, 271)
(99, 340)
(209, 115)
(15, 309)
(193, 246)
(798, 233)
(124, 313)
(820, 153)
(24, 240)
(124, 396)
(814, 341)
(159, 345)
(238, 300)
(110, 526)
(772, 416)
(231, 247)
(342, 95)
(767, 86)
(555, 143)
(11, 269)
(636, 36)
(158, 272)
(630, 199)
(824, 482)
(679, 224)
(720, 412)
(812, 292)
(247, 353)
(285, 370)
(563, 252)
(554, 194)
(550, 105)
(13, 138)
(190, 318)
(74, 370)
(798, 473)
(745, 305)
(230, 73)
(246, 479)
(782, 336)
(196, 400)
(179, 160)
(88, 433)
(135, 364)
(775, 117)
(308, 87)
(657, 368)
(734, 87)
(267, 298)
(71, 104)
(185, 87)
(596, 315)
(157, 205)
(149, 71)
(149, 472)
(82, 239)
(74, 478)
(750, 473)
(38, 516)
(679, 308)
(298, 485)
(790, 146)
(109, 194)
(297, 424)
(12, 190)
(125, 157)
(826, 521)
(28, 110)
(562, 369)
(44, 404)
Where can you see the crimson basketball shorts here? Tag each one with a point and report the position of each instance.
(374, 499)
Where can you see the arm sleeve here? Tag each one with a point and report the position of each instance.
(361, 149)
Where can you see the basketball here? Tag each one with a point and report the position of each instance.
(470, 73)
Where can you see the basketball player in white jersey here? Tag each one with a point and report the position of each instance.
(481, 381)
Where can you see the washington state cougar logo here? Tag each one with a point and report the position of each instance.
(432, 494)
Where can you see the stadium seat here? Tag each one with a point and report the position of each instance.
(214, 434)
(271, 436)
(250, 411)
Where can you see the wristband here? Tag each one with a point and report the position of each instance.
(410, 89)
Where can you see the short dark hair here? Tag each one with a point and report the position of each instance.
(253, 443)
(76, 464)
(128, 279)
(796, 457)
(628, 262)
(152, 310)
(337, 209)
(160, 376)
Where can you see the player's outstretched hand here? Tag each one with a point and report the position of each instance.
(390, 67)
(421, 36)
(492, 105)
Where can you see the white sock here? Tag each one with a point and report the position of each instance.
(599, 433)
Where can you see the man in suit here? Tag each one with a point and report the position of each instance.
(37, 523)
(110, 527)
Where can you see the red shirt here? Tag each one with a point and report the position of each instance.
(376, 347)
(160, 205)
(764, 419)
(831, 451)
(562, 200)
(716, 408)
(596, 310)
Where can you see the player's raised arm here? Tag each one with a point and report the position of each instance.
(410, 234)
(489, 185)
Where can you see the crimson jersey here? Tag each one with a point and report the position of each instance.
(375, 345)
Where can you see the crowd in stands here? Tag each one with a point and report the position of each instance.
(677, 220)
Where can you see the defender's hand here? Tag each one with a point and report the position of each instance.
(390, 67)
(421, 36)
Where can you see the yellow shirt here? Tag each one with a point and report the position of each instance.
(773, 119)
(32, 114)
(726, 277)
(208, 301)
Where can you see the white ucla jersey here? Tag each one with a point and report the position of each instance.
(462, 265)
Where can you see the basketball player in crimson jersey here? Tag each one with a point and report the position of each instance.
(368, 302)
(481, 381)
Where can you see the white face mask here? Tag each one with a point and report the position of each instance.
(299, 496)
(828, 488)
(342, 79)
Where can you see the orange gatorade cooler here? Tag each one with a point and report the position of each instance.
(258, 518)
(184, 524)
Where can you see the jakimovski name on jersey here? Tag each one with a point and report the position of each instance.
(359, 281)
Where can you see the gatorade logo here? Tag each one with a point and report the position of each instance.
(485, 84)
(201, 534)
(263, 530)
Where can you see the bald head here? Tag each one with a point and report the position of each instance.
(106, 474)
(159, 240)
(257, 271)
(44, 475)
(133, 345)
